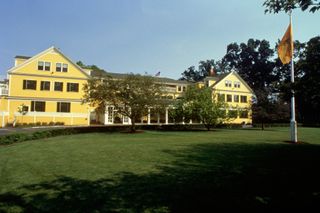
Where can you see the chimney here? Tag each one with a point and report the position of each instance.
(20, 59)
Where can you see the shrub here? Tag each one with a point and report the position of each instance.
(14, 138)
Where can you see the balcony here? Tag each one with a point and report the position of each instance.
(3, 92)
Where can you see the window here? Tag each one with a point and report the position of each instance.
(40, 65)
(243, 99)
(179, 88)
(236, 84)
(184, 88)
(38, 106)
(29, 84)
(45, 85)
(236, 98)
(72, 87)
(243, 114)
(58, 67)
(233, 113)
(65, 68)
(58, 86)
(47, 66)
(43, 65)
(63, 107)
(221, 97)
(228, 83)
(229, 98)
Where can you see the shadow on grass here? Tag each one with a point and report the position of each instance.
(204, 178)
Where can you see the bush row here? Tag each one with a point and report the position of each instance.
(41, 134)
(51, 123)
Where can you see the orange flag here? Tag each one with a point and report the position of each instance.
(285, 47)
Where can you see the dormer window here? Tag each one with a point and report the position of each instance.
(58, 67)
(44, 65)
(228, 83)
(47, 66)
(236, 84)
(40, 65)
(65, 68)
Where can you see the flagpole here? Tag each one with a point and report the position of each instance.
(293, 123)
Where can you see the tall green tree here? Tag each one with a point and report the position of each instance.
(199, 104)
(132, 96)
(254, 63)
(192, 74)
(307, 85)
(275, 6)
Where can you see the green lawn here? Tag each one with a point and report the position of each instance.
(220, 170)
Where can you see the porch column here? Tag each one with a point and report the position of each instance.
(2, 119)
(88, 117)
(158, 121)
(106, 113)
(148, 115)
(167, 117)
(129, 119)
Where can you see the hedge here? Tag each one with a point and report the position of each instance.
(41, 134)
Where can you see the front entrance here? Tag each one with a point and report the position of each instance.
(114, 117)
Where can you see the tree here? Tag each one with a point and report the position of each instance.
(269, 110)
(275, 6)
(191, 74)
(198, 103)
(307, 85)
(255, 64)
(253, 61)
(132, 96)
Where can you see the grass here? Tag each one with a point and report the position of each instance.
(220, 170)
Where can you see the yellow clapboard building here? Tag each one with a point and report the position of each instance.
(46, 89)
(233, 90)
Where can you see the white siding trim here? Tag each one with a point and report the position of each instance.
(54, 114)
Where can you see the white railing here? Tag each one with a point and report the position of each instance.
(170, 89)
(3, 91)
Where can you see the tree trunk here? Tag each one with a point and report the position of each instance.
(133, 126)
(262, 125)
(207, 126)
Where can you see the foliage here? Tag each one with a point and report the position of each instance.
(194, 75)
(131, 96)
(307, 84)
(253, 62)
(23, 109)
(270, 111)
(199, 104)
(275, 6)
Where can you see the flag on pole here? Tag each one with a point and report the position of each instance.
(157, 74)
(285, 48)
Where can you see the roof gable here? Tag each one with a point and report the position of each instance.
(225, 77)
(51, 50)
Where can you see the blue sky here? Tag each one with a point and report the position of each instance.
(140, 35)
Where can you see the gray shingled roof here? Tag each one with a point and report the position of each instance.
(219, 78)
(96, 73)
(22, 57)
